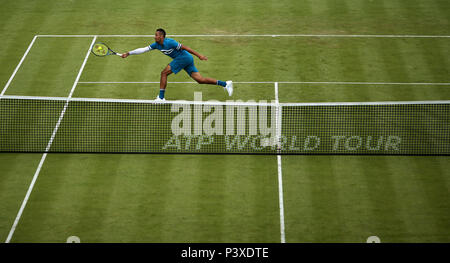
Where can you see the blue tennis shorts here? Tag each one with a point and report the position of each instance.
(183, 62)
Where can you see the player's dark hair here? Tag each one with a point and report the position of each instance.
(162, 31)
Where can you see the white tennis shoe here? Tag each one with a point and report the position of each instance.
(158, 99)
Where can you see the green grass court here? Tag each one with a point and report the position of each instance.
(228, 198)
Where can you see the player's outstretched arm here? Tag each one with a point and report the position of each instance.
(193, 52)
(136, 51)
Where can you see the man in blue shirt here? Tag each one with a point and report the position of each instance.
(182, 59)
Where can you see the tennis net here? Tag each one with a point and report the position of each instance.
(83, 125)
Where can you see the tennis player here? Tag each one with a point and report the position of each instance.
(181, 60)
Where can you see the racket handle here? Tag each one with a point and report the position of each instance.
(118, 54)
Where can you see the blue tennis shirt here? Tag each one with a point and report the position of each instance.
(170, 48)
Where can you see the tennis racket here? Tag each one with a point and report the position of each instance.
(102, 50)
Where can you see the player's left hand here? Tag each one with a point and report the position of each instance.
(201, 57)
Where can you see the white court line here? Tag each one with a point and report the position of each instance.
(18, 66)
(263, 35)
(280, 82)
(280, 176)
(44, 156)
(367, 83)
(276, 92)
(281, 200)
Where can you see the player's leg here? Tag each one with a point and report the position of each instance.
(202, 80)
(228, 86)
(163, 81)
